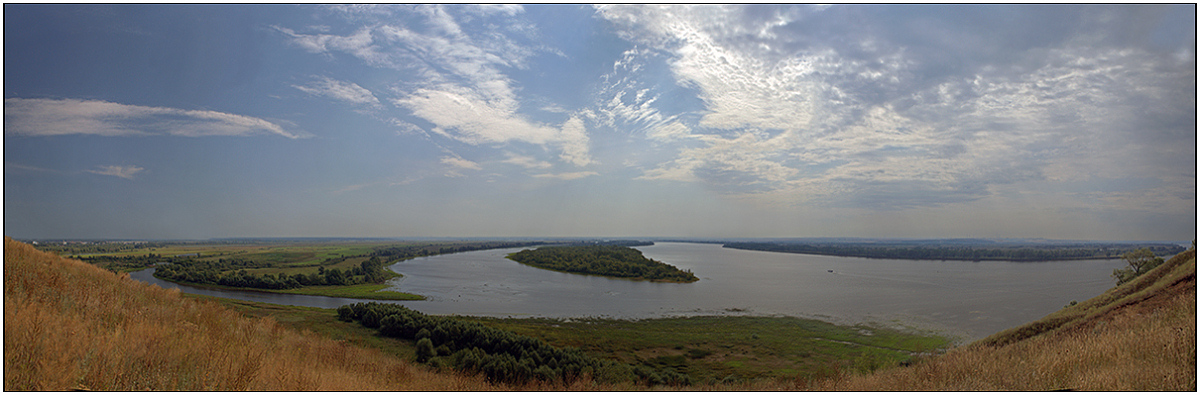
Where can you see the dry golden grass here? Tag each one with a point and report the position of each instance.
(70, 325)
(1137, 337)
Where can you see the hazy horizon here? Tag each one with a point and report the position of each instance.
(1063, 122)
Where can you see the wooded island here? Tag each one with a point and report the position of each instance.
(612, 261)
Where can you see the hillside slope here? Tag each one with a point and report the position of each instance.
(1135, 337)
(70, 325)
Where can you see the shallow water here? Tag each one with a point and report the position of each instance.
(969, 300)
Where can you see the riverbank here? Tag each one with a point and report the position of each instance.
(959, 251)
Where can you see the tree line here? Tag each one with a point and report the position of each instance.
(961, 253)
(605, 260)
(501, 356)
(232, 273)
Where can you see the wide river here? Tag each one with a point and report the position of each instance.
(968, 300)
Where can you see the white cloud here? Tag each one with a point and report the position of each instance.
(456, 164)
(466, 117)
(865, 120)
(463, 88)
(125, 172)
(626, 103)
(739, 88)
(568, 176)
(360, 44)
(47, 117)
(527, 162)
(340, 90)
(404, 127)
(574, 140)
(461, 163)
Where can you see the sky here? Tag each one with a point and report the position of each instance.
(908, 121)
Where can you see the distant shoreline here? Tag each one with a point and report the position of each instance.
(1002, 253)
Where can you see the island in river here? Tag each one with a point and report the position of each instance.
(603, 260)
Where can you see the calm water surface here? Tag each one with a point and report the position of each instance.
(965, 299)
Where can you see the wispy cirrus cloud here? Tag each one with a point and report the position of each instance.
(799, 105)
(463, 89)
(126, 172)
(457, 164)
(567, 176)
(527, 162)
(50, 117)
(340, 90)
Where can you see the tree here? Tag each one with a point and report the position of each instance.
(424, 349)
(1139, 262)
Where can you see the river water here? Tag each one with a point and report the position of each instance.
(967, 300)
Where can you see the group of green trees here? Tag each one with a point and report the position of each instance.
(958, 253)
(605, 260)
(232, 273)
(500, 355)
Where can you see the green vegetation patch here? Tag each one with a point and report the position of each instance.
(724, 349)
(604, 260)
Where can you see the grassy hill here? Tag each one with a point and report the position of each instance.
(1140, 336)
(70, 325)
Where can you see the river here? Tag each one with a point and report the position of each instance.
(967, 300)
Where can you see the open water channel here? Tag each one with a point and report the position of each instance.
(968, 300)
